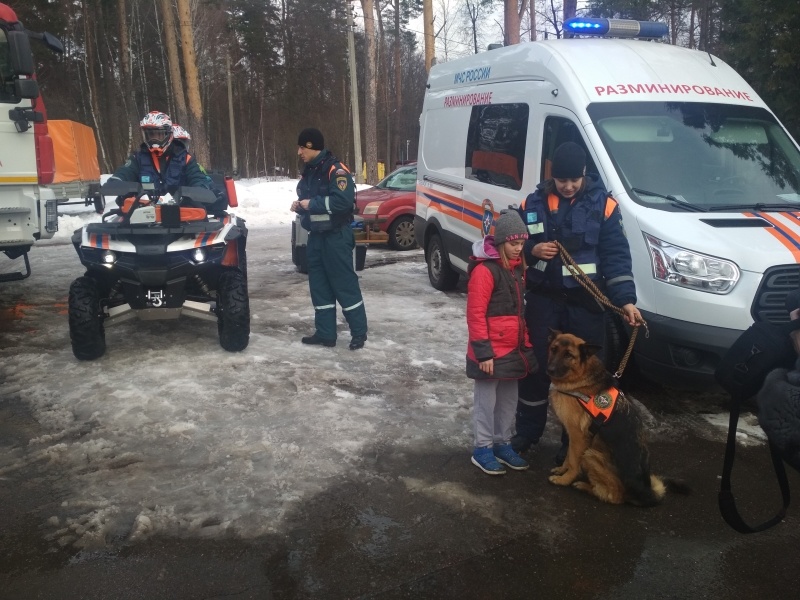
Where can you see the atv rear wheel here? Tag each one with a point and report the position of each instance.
(233, 311)
(86, 329)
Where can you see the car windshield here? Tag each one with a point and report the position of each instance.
(404, 180)
(700, 156)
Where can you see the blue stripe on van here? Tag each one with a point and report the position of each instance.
(457, 207)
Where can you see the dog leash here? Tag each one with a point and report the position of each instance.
(595, 292)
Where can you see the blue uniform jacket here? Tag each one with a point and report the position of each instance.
(330, 188)
(591, 231)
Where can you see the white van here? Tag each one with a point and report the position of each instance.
(707, 179)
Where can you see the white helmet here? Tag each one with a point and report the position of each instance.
(179, 133)
(156, 131)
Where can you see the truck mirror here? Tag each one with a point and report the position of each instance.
(20, 55)
(52, 42)
(26, 88)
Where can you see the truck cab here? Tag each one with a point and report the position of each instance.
(27, 208)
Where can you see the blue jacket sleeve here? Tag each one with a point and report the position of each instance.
(615, 260)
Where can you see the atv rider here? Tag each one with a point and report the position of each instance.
(165, 162)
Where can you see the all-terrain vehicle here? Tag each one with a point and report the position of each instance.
(160, 257)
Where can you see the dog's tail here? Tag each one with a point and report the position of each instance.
(653, 495)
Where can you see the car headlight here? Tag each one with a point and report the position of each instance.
(689, 269)
(371, 208)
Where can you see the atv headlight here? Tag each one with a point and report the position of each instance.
(109, 258)
(689, 269)
(199, 255)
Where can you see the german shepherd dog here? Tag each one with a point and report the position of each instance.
(615, 459)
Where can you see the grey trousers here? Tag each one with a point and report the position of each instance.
(493, 409)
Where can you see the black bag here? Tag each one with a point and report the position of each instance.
(761, 348)
(742, 372)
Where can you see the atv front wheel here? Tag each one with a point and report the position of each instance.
(233, 311)
(86, 329)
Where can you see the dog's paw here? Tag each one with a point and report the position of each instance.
(561, 479)
(559, 470)
(583, 486)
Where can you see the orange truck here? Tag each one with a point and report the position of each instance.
(42, 164)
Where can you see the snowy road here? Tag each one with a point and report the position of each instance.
(347, 471)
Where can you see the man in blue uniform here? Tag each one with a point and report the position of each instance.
(576, 210)
(326, 202)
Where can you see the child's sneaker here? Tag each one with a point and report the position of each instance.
(484, 459)
(506, 455)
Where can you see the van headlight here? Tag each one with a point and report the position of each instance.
(371, 208)
(689, 269)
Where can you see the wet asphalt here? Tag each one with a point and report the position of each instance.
(428, 524)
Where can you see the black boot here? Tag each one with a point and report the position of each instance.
(315, 340)
(358, 342)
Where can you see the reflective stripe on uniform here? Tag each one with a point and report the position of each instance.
(532, 402)
(328, 204)
(325, 307)
(588, 268)
(535, 228)
(356, 305)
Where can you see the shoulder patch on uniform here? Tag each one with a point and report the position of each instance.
(340, 172)
(341, 183)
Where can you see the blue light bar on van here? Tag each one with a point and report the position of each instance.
(616, 27)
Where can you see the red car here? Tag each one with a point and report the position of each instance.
(389, 208)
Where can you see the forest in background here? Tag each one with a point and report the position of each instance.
(288, 65)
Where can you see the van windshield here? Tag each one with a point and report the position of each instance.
(700, 156)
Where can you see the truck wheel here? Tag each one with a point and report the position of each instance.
(441, 274)
(233, 311)
(86, 329)
(401, 233)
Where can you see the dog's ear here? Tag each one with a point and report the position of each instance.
(589, 350)
(554, 333)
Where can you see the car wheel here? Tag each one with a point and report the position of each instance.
(401, 233)
(441, 274)
(233, 311)
(86, 331)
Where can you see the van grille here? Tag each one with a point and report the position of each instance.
(769, 303)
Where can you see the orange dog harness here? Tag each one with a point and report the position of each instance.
(600, 407)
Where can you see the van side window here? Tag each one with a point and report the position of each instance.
(557, 131)
(496, 144)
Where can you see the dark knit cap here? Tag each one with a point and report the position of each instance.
(509, 227)
(311, 138)
(569, 161)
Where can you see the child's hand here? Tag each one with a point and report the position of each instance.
(487, 366)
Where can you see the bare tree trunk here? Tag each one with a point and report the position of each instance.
(171, 42)
(199, 137)
(532, 8)
(91, 78)
(691, 27)
(128, 98)
(371, 100)
(511, 23)
(570, 6)
(398, 72)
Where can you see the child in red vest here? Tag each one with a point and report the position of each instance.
(499, 352)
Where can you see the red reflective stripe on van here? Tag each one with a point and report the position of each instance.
(789, 239)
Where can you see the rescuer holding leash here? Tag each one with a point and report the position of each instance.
(326, 202)
(576, 210)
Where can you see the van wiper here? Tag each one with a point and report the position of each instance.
(673, 200)
(758, 206)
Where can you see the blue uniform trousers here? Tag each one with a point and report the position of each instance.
(332, 278)
(543, 313)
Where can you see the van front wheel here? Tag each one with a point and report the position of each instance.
(441, 274)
